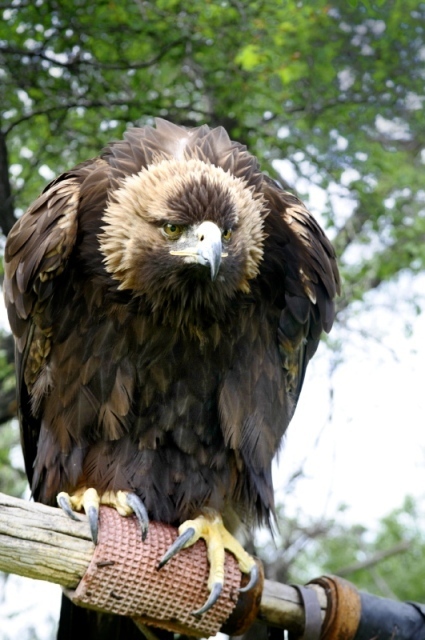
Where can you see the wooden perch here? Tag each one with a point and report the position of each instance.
(43, 543)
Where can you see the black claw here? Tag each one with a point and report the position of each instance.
(93, 516)
(177, 546)
(65, 506)
(253, 578)
(213, 597)
(140, 511)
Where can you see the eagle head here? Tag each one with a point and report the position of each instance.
(183, 230)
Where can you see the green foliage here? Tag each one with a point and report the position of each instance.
(12, 477)
(356, 553)
(335, 88)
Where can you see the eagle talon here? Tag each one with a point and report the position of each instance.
(93, 516)
(89, 500)
(253, 579)
(139, 509)
(212, 599)
(64, 502)
(177, 546)
(210, 527)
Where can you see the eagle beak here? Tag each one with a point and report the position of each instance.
(209, 246)
(203, 246)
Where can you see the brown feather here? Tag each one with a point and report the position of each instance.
(136, 370)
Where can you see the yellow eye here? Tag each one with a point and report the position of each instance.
(226, 235)
(173, 230)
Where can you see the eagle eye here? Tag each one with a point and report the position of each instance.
(226, 235)
(173, 231)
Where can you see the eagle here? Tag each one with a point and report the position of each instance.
(165, 299)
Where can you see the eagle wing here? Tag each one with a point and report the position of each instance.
(36, 254)
(294, 293)
(309, 282)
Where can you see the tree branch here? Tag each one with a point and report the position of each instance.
(75, 61)
(7, 219)
(43, 543)
(377, 557)
(85, 104)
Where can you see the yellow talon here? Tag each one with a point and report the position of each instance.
(117, 500)
(89, 500)
(210, 527)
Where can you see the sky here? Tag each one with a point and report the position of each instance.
(367, 448)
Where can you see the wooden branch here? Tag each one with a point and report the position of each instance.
(280, 606)
(377, 557)
(44, 543)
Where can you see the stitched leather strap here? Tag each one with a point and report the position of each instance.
(312, 612)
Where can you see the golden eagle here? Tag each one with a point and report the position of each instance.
(165, 299)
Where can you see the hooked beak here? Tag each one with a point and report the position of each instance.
(204, 247)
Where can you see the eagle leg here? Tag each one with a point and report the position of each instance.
(210, 527)
(89, 500)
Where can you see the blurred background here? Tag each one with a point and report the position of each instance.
(329, 95)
